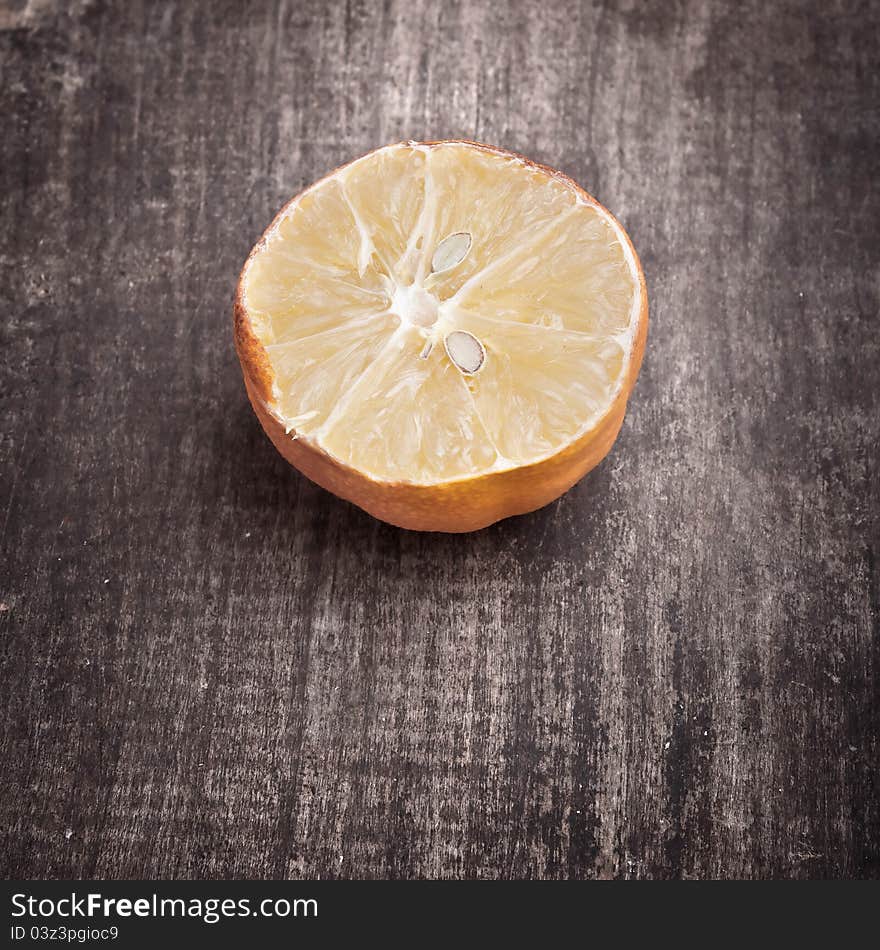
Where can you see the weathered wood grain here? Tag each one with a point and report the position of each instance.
(210, 667)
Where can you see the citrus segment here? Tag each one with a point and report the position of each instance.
(503, 205)
(574, 277)
(538, 386)
(313, 373)
(423, 404)
(387, 197)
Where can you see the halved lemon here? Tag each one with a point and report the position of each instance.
(443, 333)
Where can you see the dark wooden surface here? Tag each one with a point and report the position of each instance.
(210, 667)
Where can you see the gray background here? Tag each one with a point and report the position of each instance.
(210, 667)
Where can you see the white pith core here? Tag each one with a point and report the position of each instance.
(415, 305)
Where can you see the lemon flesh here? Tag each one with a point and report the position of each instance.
(434, 312)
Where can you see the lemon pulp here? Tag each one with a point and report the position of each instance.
(357, 287)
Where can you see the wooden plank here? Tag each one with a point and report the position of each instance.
(212, 668)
